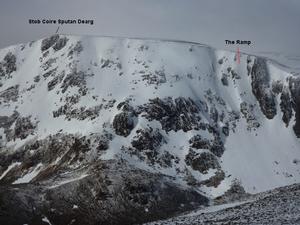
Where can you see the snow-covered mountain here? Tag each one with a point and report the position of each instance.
(121, 131)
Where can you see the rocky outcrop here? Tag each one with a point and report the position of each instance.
(55, 41)
(60, 43)
(201, 162)
(8, 65)
(56, 80)
(224, 79)
(75, 79)
(146, 146)
(178, 114)
(147, 139)
(236, 192)
(156, 78)
(247, 111)
(23, 127)
(103, 143)
(50, 73)
(286, 106)
(261, 88)
(75, 49)
(294, 85)
(199, 143)
(123, 123)
(48, 42)
(214, 145)
(215, 180)
(7, 121)
(80, 113)
(9, 94)
(277, 87)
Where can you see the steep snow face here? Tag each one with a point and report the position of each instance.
(183, 110)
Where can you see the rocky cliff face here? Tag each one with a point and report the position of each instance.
(100, 130)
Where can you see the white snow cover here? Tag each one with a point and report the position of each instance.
(46, 220)
(261, 159)
(30, 175)
(9, 168)
(66, 181)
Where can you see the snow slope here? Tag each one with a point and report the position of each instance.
(143, 101)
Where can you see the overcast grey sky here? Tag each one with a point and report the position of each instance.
(273, 25)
